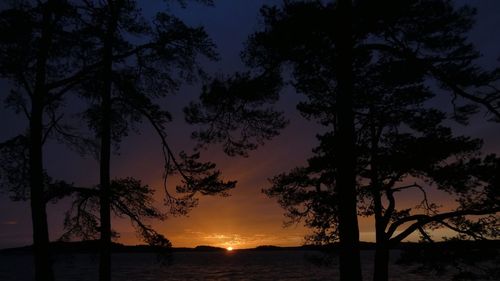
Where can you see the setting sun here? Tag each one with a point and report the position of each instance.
(229, 248)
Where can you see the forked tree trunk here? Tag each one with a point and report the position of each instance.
(349, 256)
(41, 251)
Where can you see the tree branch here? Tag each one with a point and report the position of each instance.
(422, 220)
(78, 76)
(430, 68)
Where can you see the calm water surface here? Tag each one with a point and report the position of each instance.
(247, 265)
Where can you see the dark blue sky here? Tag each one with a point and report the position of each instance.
(247, 218)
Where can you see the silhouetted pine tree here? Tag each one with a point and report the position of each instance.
(140, 61)
(402, 146)
(304, 35)
(36, 40)
(432, 36)
(91, 55)
(308, 42)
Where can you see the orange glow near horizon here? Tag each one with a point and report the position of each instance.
(247, 218)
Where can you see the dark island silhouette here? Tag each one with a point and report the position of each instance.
(414, 248)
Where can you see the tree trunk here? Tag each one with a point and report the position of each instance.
(41, 251)
(105, 153)
(104, 192)
(349, 256)
(381, 269)
(381, 266)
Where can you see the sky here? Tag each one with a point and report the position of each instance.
(247, 218)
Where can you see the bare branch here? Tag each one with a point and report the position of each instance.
(421, 220)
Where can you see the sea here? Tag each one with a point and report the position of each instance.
(235, 265)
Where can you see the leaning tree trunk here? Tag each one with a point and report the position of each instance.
(349, 256)
(105, 153)
(41, 251)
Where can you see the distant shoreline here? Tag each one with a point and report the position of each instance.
(93, 247)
